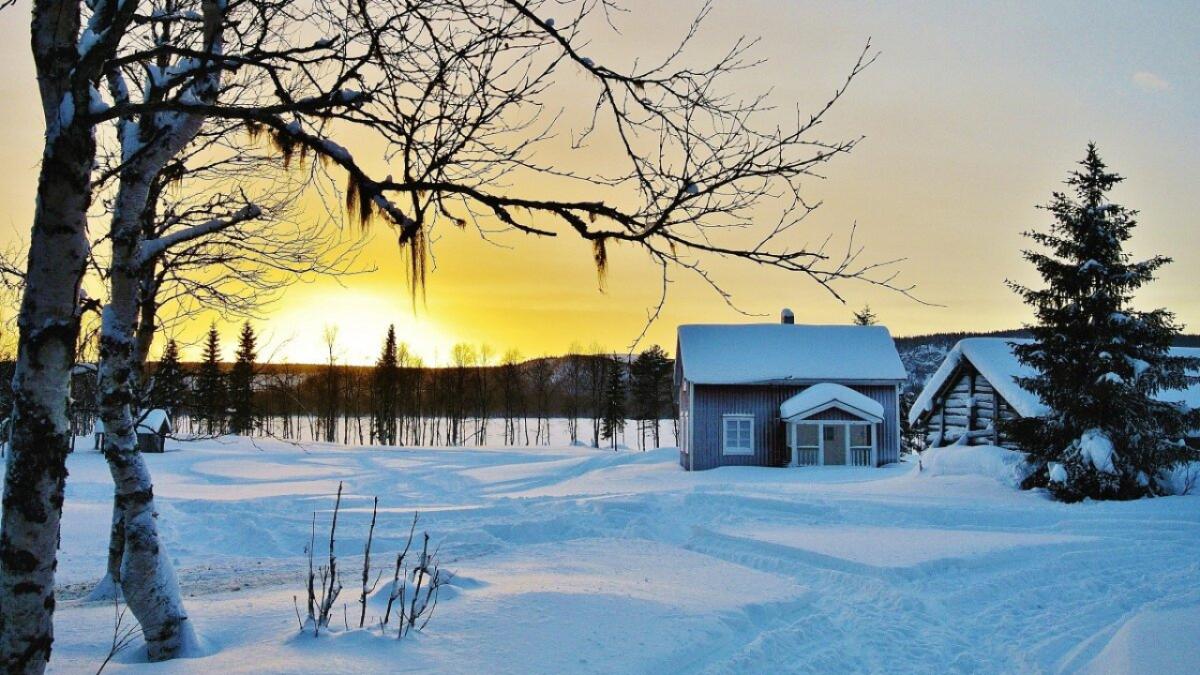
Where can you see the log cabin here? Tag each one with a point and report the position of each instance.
(787, 395)
(153, 427)
(976, 385)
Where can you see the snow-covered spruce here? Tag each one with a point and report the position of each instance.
(1097, 363)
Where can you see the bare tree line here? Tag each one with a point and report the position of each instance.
(475, 400)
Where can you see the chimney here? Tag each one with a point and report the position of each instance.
(786, 317)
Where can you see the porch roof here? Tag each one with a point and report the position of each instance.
(826, 395)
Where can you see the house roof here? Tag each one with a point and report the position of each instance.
(825, 395)
(995, 360)
(155, 420)
(772, 352)
(150, 424)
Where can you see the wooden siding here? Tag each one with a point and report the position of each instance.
(966, 410)
(710, 402)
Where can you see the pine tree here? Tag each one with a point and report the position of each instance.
(210, 385)
(650, 385)
(1100, 362)
(385, 382)
(241, 383)
(613, 421)
(169, 390)
(865, 317)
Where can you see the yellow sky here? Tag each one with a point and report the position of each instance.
(973, 115)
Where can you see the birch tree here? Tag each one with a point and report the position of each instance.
(49, 322)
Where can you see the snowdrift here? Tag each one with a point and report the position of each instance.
(1000, 464)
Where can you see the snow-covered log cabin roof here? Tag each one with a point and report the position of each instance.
(995, 360)
(771, 352)
(150, 424)
(828, 394)
(154, 421)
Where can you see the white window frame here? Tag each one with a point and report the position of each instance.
(794, 441)
(742, 451)
(871, 447)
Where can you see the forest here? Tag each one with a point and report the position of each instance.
(480, 398)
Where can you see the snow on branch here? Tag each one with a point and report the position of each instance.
(151, 249)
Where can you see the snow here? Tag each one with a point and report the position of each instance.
(571, 559)
(1152, 641)
(1189, 396)
(772, 352)
(820, 395)
(87, 40)
(154, 420)
(1058, 473)
(96, 103)
(1000, 464)
(995, 360)
(1097, 449)
(151, 423)
(66, 110)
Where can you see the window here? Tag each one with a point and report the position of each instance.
(808, 444)
(737, 435)
(860, 444)
(860, 436)
(806, 436)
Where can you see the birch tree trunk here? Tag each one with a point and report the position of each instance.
(36, 471)
(35, 474)
(146, 576)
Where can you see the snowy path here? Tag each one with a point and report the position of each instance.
(577, 560)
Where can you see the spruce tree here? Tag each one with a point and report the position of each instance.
(210, 385)
(650, 386)
(385, 391)
(613, 419)
(865, 317)
(1099, 361)
(169, 390)
(241, 383)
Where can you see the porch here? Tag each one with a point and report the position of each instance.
(832, 425)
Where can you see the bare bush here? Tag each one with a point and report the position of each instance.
(412, 595)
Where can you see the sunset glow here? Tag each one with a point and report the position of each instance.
(948, 164)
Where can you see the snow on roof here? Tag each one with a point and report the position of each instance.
(150, 424)
(771, 352)
(995, 360)
(154, 420)
(822, 395)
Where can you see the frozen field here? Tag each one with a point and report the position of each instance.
(578, 560)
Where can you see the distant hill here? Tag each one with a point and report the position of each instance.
(921, 354)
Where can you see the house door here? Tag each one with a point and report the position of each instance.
(833, 443)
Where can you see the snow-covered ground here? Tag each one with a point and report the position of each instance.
(579, 560)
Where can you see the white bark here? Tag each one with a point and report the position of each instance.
(36, 469)
(146, 576)
(35, 474)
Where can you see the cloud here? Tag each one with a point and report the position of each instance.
(1149, 81)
